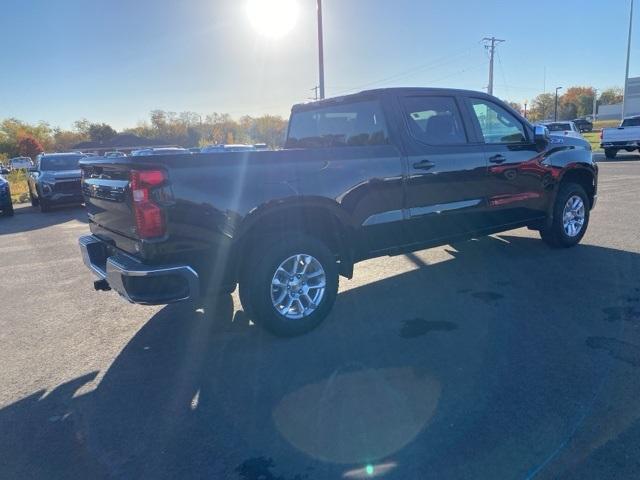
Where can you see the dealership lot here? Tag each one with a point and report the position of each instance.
(495, 358)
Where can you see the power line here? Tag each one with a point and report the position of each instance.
(492, 51)
(504, 78)
(439, 62)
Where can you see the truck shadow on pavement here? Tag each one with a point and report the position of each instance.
(30, 218)
(475, 366)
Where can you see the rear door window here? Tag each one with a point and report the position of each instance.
(341, 125)
(434, 120)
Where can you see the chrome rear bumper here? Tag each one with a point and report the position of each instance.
(135, 281)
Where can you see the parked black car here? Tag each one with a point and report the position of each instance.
(583, 125)
(6, 206)
(377, 173)
(55, 180)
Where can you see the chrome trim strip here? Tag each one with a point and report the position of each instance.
(444, 207)
(384, 217)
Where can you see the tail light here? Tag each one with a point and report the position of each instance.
(150, 220)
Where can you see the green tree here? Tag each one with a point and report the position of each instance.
(101, 132)
(611, 96)
(542, 107)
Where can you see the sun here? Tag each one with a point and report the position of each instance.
(273, 18)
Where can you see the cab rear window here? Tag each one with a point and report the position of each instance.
(341, 125)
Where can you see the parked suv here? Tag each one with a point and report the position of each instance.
(55, 180)
(20, 163)
(583, 125)
(381, 172)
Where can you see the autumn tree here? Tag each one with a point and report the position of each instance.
(29, 146)
(516, 106)
(576, 102)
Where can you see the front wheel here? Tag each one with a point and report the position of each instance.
(8, 212)
(290, 287)
(610, 153)
(570, 217)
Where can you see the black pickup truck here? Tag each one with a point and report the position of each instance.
(376, 173)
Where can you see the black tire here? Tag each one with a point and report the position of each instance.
(555, 235)
(8, 211)
(610, 153)
(256, 284)
(44, 206)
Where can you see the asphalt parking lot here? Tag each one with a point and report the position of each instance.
(497, 358)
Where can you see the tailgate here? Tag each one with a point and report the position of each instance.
(108, 197)
(622, 134)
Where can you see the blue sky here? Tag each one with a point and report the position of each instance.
(115, 60)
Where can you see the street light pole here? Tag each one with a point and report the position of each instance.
(595, 105)
(626, 76)
(555, 116)
(320, 50)
(525, 109)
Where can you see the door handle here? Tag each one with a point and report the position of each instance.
(498, 159)
(424, 165)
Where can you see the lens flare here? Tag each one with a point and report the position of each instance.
(273, 18)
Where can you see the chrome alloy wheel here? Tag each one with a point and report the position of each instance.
(298, 286)
(573, 216)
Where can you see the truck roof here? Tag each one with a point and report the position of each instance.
(385, 91)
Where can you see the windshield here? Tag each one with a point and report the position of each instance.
(60, 162)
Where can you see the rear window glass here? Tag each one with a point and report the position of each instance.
(559, 127)
(341, 125)
(631, 122)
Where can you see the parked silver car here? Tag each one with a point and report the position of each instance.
(568, 129)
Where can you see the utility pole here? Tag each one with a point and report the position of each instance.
(320, 51)
(595, 105)
(626, 77)
(492, 50)
(555, 116)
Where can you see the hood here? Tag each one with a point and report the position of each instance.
(569, 141)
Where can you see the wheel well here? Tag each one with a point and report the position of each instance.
(583, 178)
(317, 222)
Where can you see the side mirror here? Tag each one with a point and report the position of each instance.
(541, 135)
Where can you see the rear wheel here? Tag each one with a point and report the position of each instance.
(570, 217)
(290, 287)
(610, 153)
(8, 211)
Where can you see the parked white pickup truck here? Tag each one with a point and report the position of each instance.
(625, 137)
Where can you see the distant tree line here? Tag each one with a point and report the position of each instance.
(187, 129)
(575, 102)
